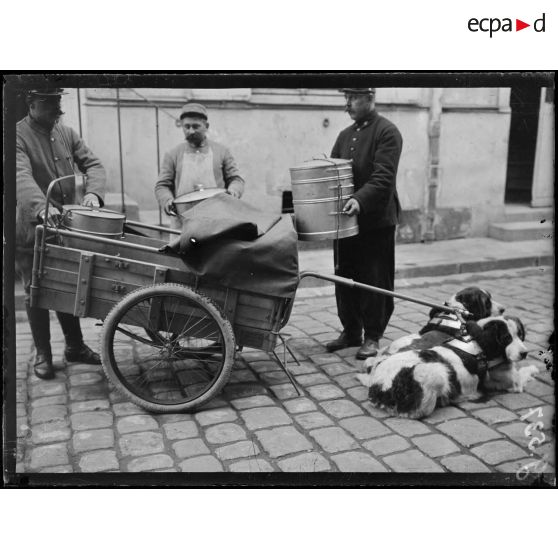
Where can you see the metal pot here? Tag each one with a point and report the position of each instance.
(186, 201)
(321, 188)
(93, 220)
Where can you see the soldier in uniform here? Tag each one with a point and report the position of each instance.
(374, 144)
(45, 150)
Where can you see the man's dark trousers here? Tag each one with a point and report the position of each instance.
(367, 258)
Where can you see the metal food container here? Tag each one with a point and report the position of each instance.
(321, 188)
(186, 201)
(93, 220)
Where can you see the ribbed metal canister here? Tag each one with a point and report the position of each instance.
(321, 188)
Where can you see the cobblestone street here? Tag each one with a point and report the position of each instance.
(78, 423)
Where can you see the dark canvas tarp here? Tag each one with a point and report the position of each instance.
(227, 241)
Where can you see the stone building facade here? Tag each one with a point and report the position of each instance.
(459, 165)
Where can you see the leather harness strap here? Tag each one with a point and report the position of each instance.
(463, 343)
(446, 321)
(470, 351)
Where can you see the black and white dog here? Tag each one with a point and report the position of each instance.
(411, 383)
(445, 325)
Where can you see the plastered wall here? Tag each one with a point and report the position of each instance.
(272, 130)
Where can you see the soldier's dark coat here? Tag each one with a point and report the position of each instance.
(374, 146)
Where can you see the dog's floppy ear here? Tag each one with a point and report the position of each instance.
(495, 336)
(474, 329)
(519, 325)
(503, 336)
(476, 301)
(486, 301)
(483, 336)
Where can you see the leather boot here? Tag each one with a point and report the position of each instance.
(39, 322)
(42, 366)
(343, 341)
(369, 348)
(71, 329)
(82, 354)
(76, 350)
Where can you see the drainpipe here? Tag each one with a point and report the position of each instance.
(79, 113)
(120, 150)
(433, 182)
(158, 156)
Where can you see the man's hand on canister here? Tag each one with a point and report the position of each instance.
(168, 207)
(234, 192)
(90, 200)
(352, 207)
(53, 216)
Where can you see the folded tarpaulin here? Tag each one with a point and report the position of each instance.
(229, 242)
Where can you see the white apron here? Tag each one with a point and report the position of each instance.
(197, 172)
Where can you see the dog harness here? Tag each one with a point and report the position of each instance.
(470, 353)
(447, 322)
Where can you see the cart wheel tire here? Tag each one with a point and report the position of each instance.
(167, 348)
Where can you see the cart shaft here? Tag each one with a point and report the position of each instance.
(355, 284)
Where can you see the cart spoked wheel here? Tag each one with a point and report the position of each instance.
(167, 348)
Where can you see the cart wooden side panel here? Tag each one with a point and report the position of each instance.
(88, 281)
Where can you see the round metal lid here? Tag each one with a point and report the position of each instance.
(93, 211)
(198, 195)
(320, 163)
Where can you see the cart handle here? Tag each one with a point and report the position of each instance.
(153, 227)
(462, 314)
(43, 236)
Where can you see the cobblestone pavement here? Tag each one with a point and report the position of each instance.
(79, 423)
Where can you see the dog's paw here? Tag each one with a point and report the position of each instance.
(365, 379)
(522, 376)
(369, 363)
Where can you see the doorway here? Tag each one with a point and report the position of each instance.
(525, 105)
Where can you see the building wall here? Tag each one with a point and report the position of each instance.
(270, 130)
(473, 154)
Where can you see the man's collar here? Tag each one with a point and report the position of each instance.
(204, 143)
(366, 120)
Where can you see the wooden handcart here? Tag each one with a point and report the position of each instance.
(169, 338)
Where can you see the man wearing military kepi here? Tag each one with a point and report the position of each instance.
(373, 144)
(196, 163)
(45, 150)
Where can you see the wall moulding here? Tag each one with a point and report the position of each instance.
(253, 98)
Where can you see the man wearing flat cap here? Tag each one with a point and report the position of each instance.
(198, 163)
(373, 144)
(45, 150)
